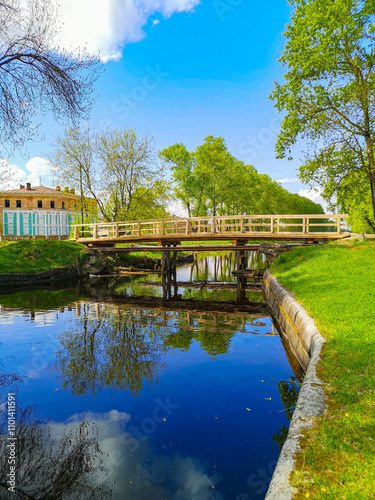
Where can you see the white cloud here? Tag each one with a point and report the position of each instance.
(35, 168)
(10, 175)
(39, 167)
(105, 26)
(139, 473)
(177, 209)
(288, 180)
(314, 194)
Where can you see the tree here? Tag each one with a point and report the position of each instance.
(328, 94)
(7, 175)
(73, 159)
(182, 164)
(130, 171)
(211, 181)
(35, 76)
(214, 163)
(356, 200)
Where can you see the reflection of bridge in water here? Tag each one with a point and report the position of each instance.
(190, 315)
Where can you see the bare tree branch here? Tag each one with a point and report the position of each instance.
(37, 77)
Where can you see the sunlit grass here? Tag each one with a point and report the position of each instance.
(336, 284)
(33, 256)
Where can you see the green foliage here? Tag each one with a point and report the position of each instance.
(289, 391)
(336, 283)
(211, 181)
(328, 97)
(40, 300)
(117, 168)
(34, 256)
(355, 199)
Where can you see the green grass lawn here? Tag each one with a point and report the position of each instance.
(34, 256)
(336, 284)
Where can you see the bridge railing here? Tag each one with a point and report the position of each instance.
(236, 225)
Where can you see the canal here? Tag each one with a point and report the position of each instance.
(121, 394)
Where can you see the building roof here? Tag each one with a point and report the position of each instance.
(37, 190)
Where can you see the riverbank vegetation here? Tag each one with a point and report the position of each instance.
(335, 283)
(34, 256)
(328, 102)
(121, 171)
(211, 181)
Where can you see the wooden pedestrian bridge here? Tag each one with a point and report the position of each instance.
(239, 229)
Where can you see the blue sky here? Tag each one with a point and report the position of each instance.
(181, 70)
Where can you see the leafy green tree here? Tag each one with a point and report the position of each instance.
(328, 94)
(214, 162)
(182, 165)
(356, 200)
(129, 171)
(117, 168)
(211, 181)
(73, 160)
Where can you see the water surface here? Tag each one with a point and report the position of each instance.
(126, 401)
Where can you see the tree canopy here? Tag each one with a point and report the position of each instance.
(211, 181)
(329, 97)
(117, 168)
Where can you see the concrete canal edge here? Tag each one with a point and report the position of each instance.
(10, 280)
(305, 341)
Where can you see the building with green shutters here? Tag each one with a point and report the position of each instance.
(37, 212)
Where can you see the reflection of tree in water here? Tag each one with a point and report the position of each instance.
(213, 343)
(48, 469)
(8, 379)
(289, 390)
(62, 468)
(109, 351)
(113, 347)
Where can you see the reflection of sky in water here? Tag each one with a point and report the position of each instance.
(201, 426)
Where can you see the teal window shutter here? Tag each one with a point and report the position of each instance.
(30, 224)
(5, 224)
(15, 224)
(21, 224)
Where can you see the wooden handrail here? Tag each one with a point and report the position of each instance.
(236, 225)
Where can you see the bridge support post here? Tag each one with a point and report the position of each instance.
(241, 264)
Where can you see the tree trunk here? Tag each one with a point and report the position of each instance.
(371, 161)
(372, 184)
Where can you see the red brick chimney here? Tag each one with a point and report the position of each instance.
(28, 186)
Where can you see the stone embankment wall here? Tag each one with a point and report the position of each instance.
(95, 264)
(306, 342)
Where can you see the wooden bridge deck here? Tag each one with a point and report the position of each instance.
(239, 229)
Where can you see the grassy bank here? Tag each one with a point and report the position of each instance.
(34, 256)
(336, 284)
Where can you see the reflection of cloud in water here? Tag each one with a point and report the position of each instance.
(142, 474)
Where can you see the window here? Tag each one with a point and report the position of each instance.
(18, 203)
(7, 204)
(52, 204)
(63, 204)
(40, 204)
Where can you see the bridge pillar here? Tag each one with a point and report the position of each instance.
(241, 264)
(169, 276)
